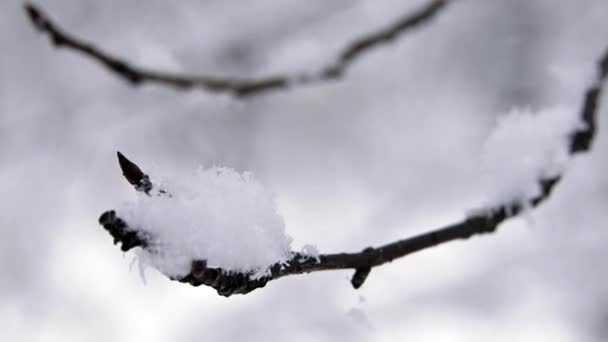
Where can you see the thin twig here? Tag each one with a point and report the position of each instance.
(239, 87)
(228, 283)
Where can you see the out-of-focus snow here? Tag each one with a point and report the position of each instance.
(216, 214)
(525, 147)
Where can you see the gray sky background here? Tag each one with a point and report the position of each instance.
(390, 151)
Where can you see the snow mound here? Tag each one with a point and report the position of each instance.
(525, 147)
(215, 214)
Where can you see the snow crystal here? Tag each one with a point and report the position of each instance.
(216, 214)
(525, 147)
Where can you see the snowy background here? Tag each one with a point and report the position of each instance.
(392, 150)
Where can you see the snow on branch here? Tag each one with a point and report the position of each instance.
(240, 276)
(239, 87)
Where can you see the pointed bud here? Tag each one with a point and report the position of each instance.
(132, 172)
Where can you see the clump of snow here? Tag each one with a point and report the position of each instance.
(310, 251)
(525, 147)
(216, 214)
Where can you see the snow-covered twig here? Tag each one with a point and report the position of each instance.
(229, 282)
(239, 87)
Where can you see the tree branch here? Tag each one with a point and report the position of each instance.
(239, 87)
(228, 283)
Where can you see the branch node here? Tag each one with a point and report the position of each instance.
(198, 269)
(360, 276)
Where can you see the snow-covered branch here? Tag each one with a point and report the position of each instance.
(239, 87)
(228, 281)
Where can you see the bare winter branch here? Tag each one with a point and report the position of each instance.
(240, 87)
(228, 283)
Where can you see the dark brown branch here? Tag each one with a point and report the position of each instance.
(240, 87)
(228, 283)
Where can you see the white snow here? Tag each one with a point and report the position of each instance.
(310, 251)
(525, 146)
(215, 214)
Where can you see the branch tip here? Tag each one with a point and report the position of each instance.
(32, 12)
(107, 217)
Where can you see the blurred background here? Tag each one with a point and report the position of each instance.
(390, 151)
